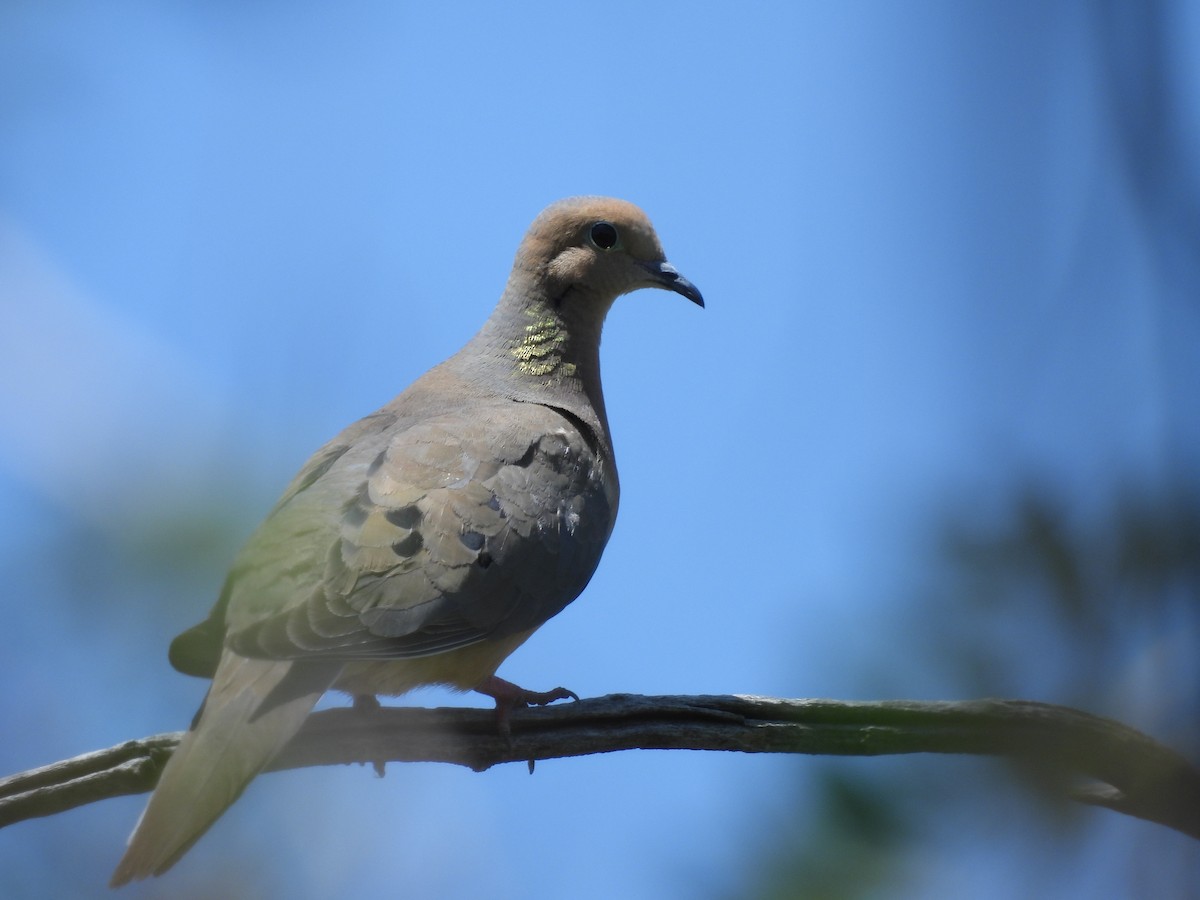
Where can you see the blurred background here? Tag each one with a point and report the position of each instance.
(937, 435)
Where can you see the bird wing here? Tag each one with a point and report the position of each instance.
(462, 528)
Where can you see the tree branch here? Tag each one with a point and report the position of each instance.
(1127, 771)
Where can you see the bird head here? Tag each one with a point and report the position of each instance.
(598, 248)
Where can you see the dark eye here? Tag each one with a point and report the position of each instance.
(604, 235)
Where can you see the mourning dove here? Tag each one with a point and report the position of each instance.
(427, 541)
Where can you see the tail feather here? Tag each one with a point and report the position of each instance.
(249, 714)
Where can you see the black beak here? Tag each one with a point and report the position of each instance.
(667, 276)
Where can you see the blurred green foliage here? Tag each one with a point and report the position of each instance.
(1098, 608)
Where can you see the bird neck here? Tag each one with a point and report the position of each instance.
(542, 351)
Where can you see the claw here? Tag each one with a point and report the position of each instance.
(509, 696)
(368, 703)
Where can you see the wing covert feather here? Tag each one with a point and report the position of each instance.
(457, 532)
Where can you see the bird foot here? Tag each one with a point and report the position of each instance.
(509, 696)
(369, 703)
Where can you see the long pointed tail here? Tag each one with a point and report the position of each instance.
(253, 709)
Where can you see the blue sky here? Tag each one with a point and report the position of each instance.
(227, 230)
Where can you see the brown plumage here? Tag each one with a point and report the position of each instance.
(424, 543)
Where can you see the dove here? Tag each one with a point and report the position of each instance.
(427, 541)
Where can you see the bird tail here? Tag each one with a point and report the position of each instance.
(253, 709)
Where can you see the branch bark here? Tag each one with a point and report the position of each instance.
(1120, 768)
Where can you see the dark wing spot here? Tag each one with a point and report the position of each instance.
(405, 517)
(376, 463)
(356, 510)
(472, 540)
(527, 457)
(408, 545)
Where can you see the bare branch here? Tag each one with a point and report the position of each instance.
(1125, 770)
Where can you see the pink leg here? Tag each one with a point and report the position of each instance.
(509, 696)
